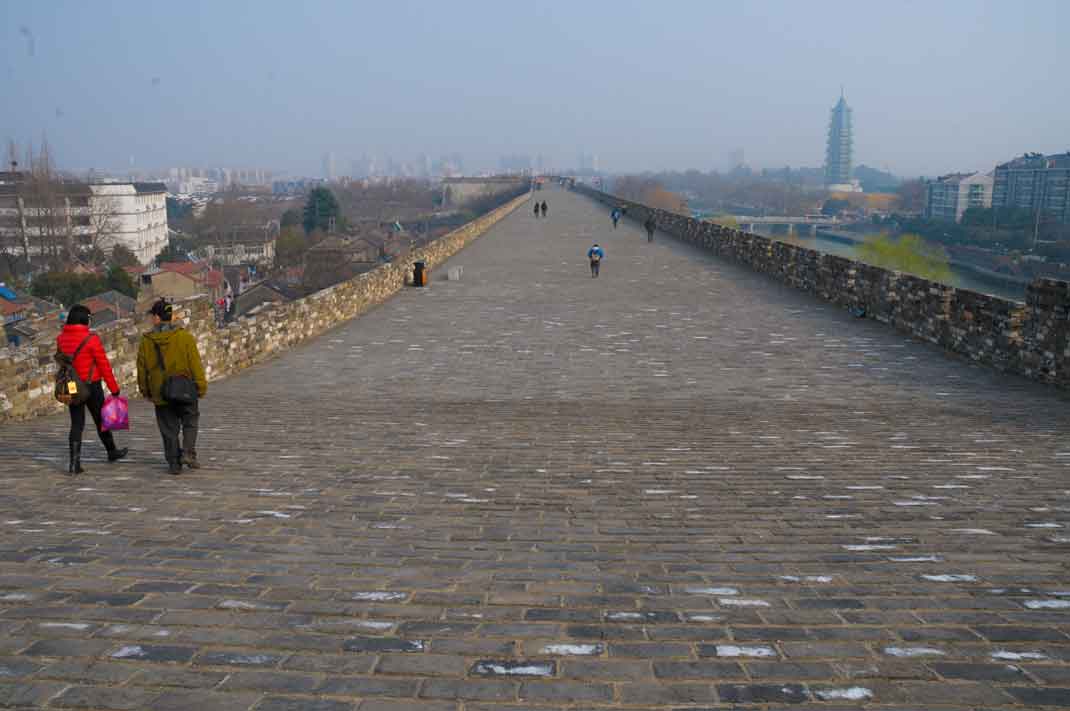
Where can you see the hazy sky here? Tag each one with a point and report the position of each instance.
(936, 85)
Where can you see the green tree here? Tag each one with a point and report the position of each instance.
(292, 218)
(911, 195)
(120, 280)
(123, 256)
(319, 209)
(909, 253)
(177, 250)
(834, 206)
(290, 246)
(67, 288)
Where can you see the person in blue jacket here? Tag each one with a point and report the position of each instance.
(615, 216)
(596, 254)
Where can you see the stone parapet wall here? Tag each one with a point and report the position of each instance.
(27, 374)
(1030, 339)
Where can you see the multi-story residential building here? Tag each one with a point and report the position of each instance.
(1035, 182)
(949, 196)
(244, 244)
(35, 218)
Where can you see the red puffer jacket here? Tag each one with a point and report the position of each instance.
(92, 354)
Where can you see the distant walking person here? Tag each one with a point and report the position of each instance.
(596, 254)
(537, 209)
(91, 363)
(169, 364)
(615, 216)
(651, 225)
(544, 208)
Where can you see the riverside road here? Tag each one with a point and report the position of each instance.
(676, 486)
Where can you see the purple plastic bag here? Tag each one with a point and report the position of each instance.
(115, 415)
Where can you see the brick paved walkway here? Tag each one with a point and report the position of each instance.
(676, 486)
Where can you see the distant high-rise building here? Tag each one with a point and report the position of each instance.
(588, 163)
(1035, 182)
(328, 166)
(736, 159)
(949, 196)
(840, 144)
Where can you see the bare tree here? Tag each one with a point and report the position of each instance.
(18, 237)
(48, 214)
(101, 222)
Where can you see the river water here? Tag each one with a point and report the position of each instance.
(961, 278)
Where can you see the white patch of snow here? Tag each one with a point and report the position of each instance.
(1047, 604)
(950, 578)
(913, 652)
(731, 650)
(854, 693)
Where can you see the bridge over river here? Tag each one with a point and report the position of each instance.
(678, 485)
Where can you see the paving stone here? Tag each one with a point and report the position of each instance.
(176, 677)
(698, 670)
(762, 693)
(330, 663)
(407, 705)
(237, 659)
(102, 697)
(421, 665)
(566, 691)
(94, 671)
(283, 703)
(27, 694)
(15, 667)
(1033, 696)
(370, 686)
(68, 648)
(659, 694)
(153, 653)
(184, 700)
(383, 644)
(469, 689)
(1006, 673)
(272, 681)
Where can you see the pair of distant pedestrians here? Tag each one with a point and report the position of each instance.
(541, 207)
(166, 350)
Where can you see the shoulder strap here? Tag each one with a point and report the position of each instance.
(79, 348)
(159, 357)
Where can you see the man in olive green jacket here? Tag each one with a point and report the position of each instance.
(180, 357)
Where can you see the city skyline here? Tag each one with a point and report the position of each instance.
(105, 85)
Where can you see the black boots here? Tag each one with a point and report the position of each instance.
(76, 459)
(75, 466)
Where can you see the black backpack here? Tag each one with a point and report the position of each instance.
(70, 389)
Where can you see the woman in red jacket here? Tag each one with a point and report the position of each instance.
(92, 365)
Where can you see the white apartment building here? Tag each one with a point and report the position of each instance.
(949, 196)
(131, 214)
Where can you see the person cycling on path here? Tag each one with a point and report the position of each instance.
(651, 225)
(596, 254)
(544, 208)
(615, 215)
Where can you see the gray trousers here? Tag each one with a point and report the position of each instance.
(172, 419)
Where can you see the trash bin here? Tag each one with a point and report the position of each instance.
(420, 274)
